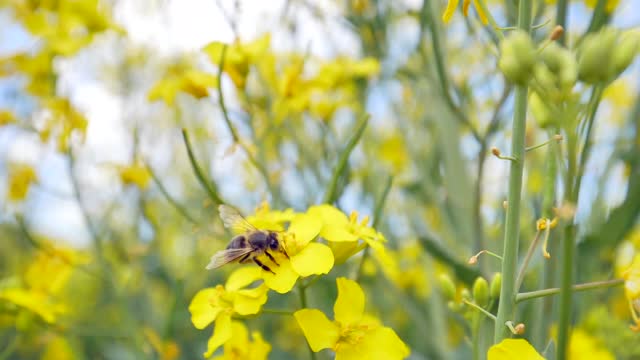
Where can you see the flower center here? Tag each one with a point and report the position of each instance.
(221, 298)
(352, 334)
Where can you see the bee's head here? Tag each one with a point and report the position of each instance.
(272, 241)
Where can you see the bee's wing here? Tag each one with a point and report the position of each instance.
(233, 220)
(224, 257)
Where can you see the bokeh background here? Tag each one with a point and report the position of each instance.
(94, 172)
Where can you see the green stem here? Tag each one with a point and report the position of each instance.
(507, 305)
(561, 19)
(234, 133)
(376, 219)
(9, 349)
(303, 305)
(332, 191)
(479, 308)
(206, 184)
(475, 335)
(527, 259)
(580, 287)
(163, 190)
(277, 311)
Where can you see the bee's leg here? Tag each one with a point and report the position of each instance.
(244, 258)
(271, 258)
(285, 253)
(263, 266)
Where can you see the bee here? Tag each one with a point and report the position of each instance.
(246, 247)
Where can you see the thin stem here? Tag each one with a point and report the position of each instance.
(206, 184)
(9, 349)
(586, 149)
(527, 259)
(530, 148)
(376, 219)
(477, 307)
(163, 190)
(277, 311)
(303, 305)
(580, 287)
(561, 19)
(234, 133)
(332, 190)
(507, 305)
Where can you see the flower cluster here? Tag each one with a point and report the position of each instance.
(314, 241)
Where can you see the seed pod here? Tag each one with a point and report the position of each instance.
(481, 291)
(517, 57)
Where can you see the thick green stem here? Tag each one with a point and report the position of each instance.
(507, 305)
(561, 19)
(303, 305)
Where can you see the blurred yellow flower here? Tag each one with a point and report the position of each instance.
(219, 303)
(21, 176)
(6, 117)
(509, 349)
(240, 347)
(632, 291)
(306, 257)
(452, 5)
(238, 57)
(585, 347)
(64, 119)
(609, 7)
(137, 175)
(352, 335)
(178, 79)
(166, 350)
(343, 70)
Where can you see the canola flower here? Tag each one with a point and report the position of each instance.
(452, 5)
(241, 347)
(353, 334)
(632, 291)
(218, 304)
(509, 349)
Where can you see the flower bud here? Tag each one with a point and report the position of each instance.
(517, 57)
(624, 52)
(520, 329)
(481, 291)
(496, 284)
(541, 111)
(594, 56)
(466, 294)
(556, 33)
(562, 64)
(447, 287)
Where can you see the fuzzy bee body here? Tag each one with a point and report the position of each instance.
(248, 246)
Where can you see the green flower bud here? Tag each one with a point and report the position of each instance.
(540, 111)
(562, 64)
(517, 57)
(481, 291)
(626, 49)
(466, 294)
(496, 284)
(594, 56)
(447, 287)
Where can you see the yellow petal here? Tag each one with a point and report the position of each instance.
(465, 7)
(221, 334)
(283, 280)
(249, 301)
(319, 331)
(36, 302)
(260, 349)
(480, 11)
(337, 234)
(448, 12)
(632, 279)
(349, 306)
(202, 313)
(329, 215)
(242, 277)
(384, 344)
(305, 228)
(509, 349)
(315, 258)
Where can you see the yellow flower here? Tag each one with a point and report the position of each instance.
(305, 256)
(21, 176)
(238, 57)
(453, 4)
(43, 282)
(137, 175)
(353, 335)
(509, 349)
(344, 233)
(166, 349)
(219, 303)
(585, 347)
(178, 79)
(6, 117)
(239, 347)
(609, 7)
(632, 291)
